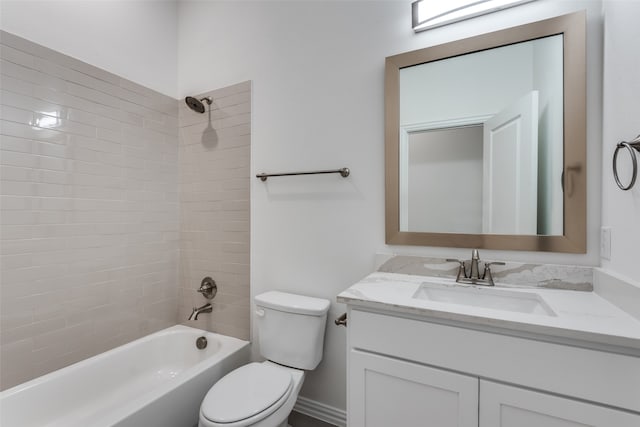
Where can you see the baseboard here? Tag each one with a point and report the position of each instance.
(326, 413)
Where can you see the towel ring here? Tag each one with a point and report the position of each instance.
(630, 146)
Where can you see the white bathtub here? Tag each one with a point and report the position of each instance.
(156, 381)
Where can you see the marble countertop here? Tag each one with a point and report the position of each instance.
(580, 318)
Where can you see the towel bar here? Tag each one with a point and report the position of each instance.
(342, 171)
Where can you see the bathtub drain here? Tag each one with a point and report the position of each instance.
(201, 343)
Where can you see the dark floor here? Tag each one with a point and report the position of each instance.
(297, 419)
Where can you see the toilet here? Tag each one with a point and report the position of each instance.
(291, 336)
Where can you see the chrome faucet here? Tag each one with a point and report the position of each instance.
(474, 274)
(473, 277)
(207, 308)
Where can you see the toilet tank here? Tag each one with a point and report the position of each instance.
(291, 328)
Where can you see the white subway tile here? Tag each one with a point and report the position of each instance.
(134, 87)
(14, 158)
(47, 121)
(81, 116)
(23, 131)
(22, 246)
(51, 204)
(83, 79)
(80, 217)
(16, 115)
(16, 56)
(15, 203)
(107, 123)
(10, 143)
(15, 231)
(103, 183)
(51, 217)
(12, 69)
(51, 150)
(53, 177)
(31, 103)
(31, 274)
(61, 339)
(12, 84)
(96, 168)
(95, 241)
(16, 188)
(51, 163)
(95, 144)
(51, 190)
(16, 359)
(97, 192)
(92, 95)
(63, 230)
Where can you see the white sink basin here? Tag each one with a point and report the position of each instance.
(492, 298)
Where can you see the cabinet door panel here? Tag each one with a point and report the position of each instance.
(508, 406)
(385, 392)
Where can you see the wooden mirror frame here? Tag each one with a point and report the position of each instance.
(574, 239)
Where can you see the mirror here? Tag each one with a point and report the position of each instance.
(486, 140)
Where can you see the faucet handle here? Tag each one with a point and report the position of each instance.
(488, 264)
(462, 270)
(487, 271)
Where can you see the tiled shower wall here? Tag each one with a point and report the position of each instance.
(89, 210)
(94, 212)
(214, 209)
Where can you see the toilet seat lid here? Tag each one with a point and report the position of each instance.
(245, 392)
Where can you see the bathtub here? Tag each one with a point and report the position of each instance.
(156, 381)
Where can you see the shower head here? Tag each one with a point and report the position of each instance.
(196, 104)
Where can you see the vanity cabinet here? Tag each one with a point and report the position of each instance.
(413, 372)
(392, 392)
(507, 406)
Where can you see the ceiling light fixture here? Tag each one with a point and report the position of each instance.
(428, 14)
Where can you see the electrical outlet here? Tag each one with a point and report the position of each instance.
(605, 243)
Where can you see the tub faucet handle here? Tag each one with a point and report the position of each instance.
(208, 288)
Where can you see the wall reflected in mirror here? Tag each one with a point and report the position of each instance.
(481, 142)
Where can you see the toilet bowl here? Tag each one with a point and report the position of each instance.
(291, 337)
(256, 395)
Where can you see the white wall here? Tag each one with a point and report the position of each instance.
(318, 73)
(133, 39)
(621, 209)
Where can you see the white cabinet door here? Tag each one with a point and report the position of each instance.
(387, 392)
(508, 406)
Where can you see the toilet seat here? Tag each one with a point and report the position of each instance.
(247, 395)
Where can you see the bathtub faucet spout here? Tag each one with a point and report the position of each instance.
(207, 308)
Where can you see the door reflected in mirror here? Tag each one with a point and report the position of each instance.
(481, 142)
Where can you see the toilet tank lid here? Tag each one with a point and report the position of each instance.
(292, 303)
